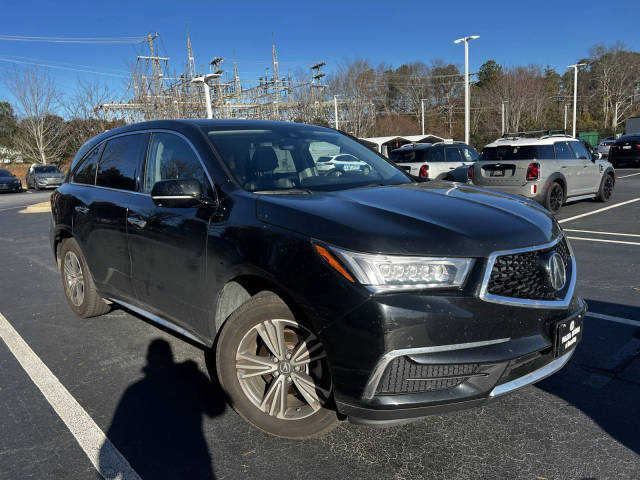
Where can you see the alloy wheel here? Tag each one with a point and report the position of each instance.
(555, 198)
(74, 278)
(282, 369)
(607, 191)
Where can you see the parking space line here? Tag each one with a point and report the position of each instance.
(104, 456)
(603, 233)
(611, 318)
(603, 240)
(599, 210)
(630, 175)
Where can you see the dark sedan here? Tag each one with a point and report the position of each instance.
(625, 152)
(9, 182)
(366, 295)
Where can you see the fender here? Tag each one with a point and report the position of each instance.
(556, 176)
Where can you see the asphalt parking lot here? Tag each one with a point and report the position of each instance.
(581, 423)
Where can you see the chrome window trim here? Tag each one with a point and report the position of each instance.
(532, 377)
(374, 379)
(562, 303)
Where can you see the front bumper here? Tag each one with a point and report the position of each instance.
(472, 351)
(10, 187)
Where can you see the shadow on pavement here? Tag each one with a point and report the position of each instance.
(603, 377)
(157, 425)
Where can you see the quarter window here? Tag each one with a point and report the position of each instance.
(171, 157)
(120, 160)
(544, 152)
(86, 172)
(435, 155)
(563, 152)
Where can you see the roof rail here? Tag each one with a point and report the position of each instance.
(535, 132)
(449, 142)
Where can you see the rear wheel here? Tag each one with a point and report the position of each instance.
(274, 370)
(554, 198)
(79, 287)
(606, 188)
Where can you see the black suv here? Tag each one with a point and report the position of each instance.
(625, 152)
(366, 295)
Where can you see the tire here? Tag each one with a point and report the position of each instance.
(256, 389)
(554, 197)
(605, 192)
(79, 288)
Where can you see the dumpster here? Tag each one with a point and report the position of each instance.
(590, 137)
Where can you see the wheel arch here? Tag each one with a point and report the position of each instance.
(557, 178)
(61, 233)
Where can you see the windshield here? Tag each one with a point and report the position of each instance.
(517, 152)
(284, 157)
(409, 156)
(5, 173)
(47, 169)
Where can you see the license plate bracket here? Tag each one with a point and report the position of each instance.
(498, 172)
(567, 335)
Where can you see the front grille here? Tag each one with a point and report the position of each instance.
(403, 375)
(522, 275)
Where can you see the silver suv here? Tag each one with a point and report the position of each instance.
(551, 169)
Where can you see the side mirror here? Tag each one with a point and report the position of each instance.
(178, 193)
(596, 156)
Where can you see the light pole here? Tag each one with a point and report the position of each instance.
(335, 109)
(503, 102)
(466, 82)
(207, 90)
(575, 92)
(422, 109)
(565, 117)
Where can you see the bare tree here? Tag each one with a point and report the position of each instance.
(41, 135)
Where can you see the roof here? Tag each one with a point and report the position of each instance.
(545, 140)
(410, 138)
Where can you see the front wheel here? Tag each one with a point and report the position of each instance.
(606, 188)
(274, 370)
(554, 198)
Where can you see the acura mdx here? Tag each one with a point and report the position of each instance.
(365, 295)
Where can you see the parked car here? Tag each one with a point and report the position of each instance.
(626, 151)
(551, 169)
(44, 176)
(337, 165)
(437, 161)
(9, 182)
(369, 296)
(604, 145)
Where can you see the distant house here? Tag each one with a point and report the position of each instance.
(384, 145)
(8, 155)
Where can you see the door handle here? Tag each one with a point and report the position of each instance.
(563, 166)
(82, 210)
(138, 222)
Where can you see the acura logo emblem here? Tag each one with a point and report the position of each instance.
(557, 271)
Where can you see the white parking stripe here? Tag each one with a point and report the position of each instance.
(104, 456)
(603, 240)
(599, 210)
(603, 233)
(611, 318)
(630, 175)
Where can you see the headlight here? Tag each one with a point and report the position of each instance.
(391, 272)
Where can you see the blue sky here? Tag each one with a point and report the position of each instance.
(512, 33)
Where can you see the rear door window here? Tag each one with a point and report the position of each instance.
(563, 152)
(120, 161)
(452, 154)
(86, 172)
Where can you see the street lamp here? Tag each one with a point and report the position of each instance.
(466, 82)
(422, 109)
(575, 92)
(335, 110)
(207, 91)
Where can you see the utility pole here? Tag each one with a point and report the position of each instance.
(422, 115)
(335, 110)
(566, 108)
(575, 92)
(466, 82)
(207, 90)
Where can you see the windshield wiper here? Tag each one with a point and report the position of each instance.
(289, 191)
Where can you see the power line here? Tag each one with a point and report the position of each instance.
(83, 70)
(81, 40)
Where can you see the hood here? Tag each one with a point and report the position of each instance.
(433, 218)
(49, 175)
(5, 180)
